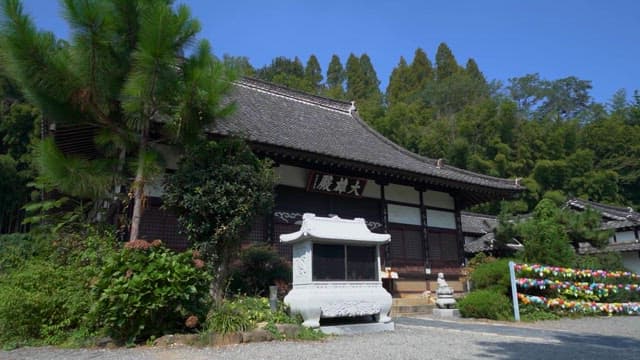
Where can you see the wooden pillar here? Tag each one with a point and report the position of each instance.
(384, 215)
(425, 232)
(459, 234)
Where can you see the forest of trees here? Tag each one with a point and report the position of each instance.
(549, 132)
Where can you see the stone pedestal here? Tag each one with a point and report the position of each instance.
(446, 313)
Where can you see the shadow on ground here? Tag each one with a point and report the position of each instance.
(564, 346)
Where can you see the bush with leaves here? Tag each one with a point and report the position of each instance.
(41, 302)
(45, 282)
(244, 313)
(610, 261)
(146, 289)
(486, 304)
(216, 192)
(258, 268)
(492, 275)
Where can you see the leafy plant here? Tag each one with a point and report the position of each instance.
(227, 317)
(530, 312)
(41, 302)
(146, 289)
(244, 313)
(217, 191)
(486, 304)
(492, 275)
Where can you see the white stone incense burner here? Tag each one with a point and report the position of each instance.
(336, 270)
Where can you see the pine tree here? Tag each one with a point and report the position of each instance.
(446, 64)
(123, 71)
(313, 74)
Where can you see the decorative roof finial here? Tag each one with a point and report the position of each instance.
(353, 107)
(518, 181)
(439, 163)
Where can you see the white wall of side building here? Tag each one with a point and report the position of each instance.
(631, 260)
(625, 236)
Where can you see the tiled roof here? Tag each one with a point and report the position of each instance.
(271, 115)
(483, 243)
(586, 248)
(474, 223)
(610, 212)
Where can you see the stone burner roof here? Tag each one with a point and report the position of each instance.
(278, 117)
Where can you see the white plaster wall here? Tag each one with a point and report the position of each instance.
(441, 219)
(404, 214)
(371, 190)
(625, 236)
(631, 260)
(291, 176)
(401, 193)
(439, 199)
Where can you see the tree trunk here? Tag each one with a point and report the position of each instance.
(138, 192)
(218, 284)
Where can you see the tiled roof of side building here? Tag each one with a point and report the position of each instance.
(269, 114)
(474, 223)
(612, 212)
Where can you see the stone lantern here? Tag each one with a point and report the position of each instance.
(336, 271)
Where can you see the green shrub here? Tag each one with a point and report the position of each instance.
(41, 302)
(146, 289)
(487, 304)
(258, 268)
(17, 248)
(610, 261)
(492, 275)
(228, 317)
(244, 313)
(530, 312)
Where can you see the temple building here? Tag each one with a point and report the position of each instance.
(330, 162)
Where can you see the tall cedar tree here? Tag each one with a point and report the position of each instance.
(313, 75)
(123, 71)
(398, 87)
(446, 64)
(354, 77)
(335, 78)
(421, 69)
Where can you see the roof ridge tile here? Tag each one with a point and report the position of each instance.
(296, 95)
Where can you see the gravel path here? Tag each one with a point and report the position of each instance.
(414, 338)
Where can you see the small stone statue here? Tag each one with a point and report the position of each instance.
(444, 293)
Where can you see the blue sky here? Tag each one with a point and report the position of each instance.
(593, 40)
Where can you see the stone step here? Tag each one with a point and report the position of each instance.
(411, 301)
(408, 310)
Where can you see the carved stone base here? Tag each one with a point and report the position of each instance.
(339, 299)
